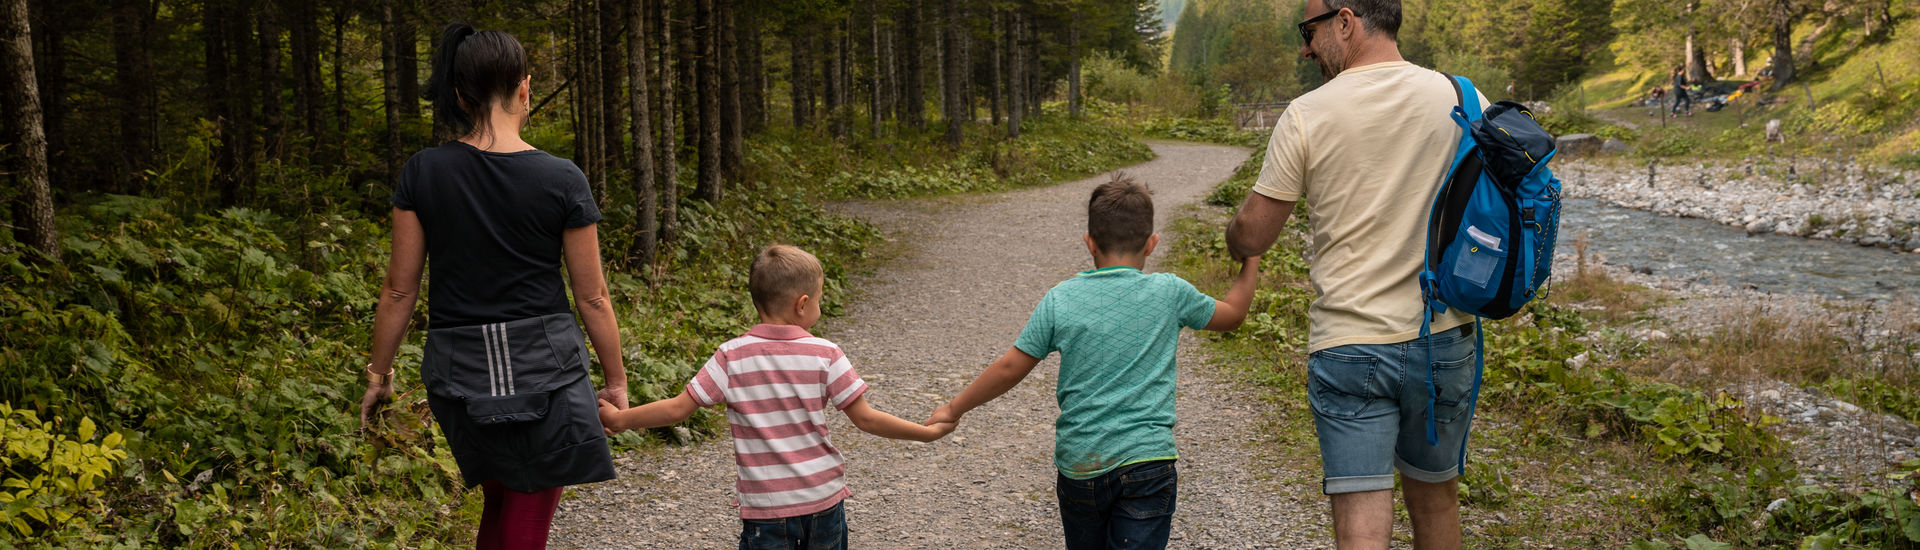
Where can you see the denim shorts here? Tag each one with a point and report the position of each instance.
(1370, 409)
(822, 530)
(1129, 507)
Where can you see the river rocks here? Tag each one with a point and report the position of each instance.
(1615, 146)
(1840, 201)
(1574, 145)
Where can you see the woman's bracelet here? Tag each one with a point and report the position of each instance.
(378, 378)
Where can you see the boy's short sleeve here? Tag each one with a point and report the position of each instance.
(1196, 308)
(709, 386)
(1036, 339)
(581, 210)
(844, 385)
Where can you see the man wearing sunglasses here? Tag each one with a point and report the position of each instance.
(1365, 152)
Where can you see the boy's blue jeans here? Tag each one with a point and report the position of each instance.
(1129, 507)
(822, 530)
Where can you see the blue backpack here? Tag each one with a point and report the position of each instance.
(1491, 231)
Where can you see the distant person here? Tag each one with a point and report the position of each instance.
(504, 368)
(1680, 96)
(777, 381)
(1116, 328)
(1365, 153)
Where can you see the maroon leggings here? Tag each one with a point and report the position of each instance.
(514, 520)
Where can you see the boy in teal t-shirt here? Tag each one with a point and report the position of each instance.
(1116, 329)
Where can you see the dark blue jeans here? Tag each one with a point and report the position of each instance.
(822, 530)
(1129, 507)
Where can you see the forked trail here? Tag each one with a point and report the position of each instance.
(923, 326)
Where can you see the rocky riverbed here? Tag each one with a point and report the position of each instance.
(1816, 198)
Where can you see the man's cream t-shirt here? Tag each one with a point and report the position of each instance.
(1365, 152)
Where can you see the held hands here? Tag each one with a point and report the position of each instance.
(610, 415)
(616, 395)
(943, 422)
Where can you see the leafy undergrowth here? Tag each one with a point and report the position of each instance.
(189, 378)
(918, 163)
(1582, 453)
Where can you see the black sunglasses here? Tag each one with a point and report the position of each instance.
(1306, 27)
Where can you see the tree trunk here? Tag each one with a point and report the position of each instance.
(304, 43)
(688, 71)
(708, 187)
(732, 157)
(612, 117)
(998, 51)
(1697, 70)
(213, 28)
(647, 220)
(1783, 16)
(1739, 52)
(1030, 43)
(830, 81)
(800, 83)
(341, 117)
(133, 91)
(954, 87)
(1073, 67)
(406, 58)
(1016, 94)
(753, 68)
(36, 216)
(390, 92)
(273, 118)
(49, 22)
(912, 74)
(666, 148)
(873, 77)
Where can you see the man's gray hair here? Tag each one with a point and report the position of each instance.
(1379, 15)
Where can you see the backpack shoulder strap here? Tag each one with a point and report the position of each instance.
(1465, 95)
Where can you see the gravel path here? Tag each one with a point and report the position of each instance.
(921, 328)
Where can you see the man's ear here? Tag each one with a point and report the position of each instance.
(1092, 248)
(1152, 240)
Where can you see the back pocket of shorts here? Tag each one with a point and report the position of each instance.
(1341, 385)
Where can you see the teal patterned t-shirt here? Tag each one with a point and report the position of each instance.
(1116, 330)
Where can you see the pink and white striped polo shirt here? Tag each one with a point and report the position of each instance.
(777, 382)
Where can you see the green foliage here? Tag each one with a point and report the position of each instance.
(1735, 504)
(50, 478)
(1208, 130)
(1246, 47)
(1562, 122)
(1668, 142)
(1488, 77)
(1111, 79)
(1235, 189)
(1050, 149)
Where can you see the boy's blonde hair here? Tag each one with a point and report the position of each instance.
(780, 273)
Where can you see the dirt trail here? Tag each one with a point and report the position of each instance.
(920, 329)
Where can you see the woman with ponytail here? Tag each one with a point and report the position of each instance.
(504, 366)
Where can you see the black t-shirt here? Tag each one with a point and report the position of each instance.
(493, 225)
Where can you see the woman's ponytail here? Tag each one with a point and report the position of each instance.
(472, 70)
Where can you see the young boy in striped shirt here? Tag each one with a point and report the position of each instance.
(777, 382)
(1116, 329)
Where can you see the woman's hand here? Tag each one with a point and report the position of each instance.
(615, 395)
(379, 393)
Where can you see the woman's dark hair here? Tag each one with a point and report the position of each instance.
(472, 70)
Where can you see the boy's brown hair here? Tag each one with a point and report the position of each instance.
(780, 273)
(1120, 216)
